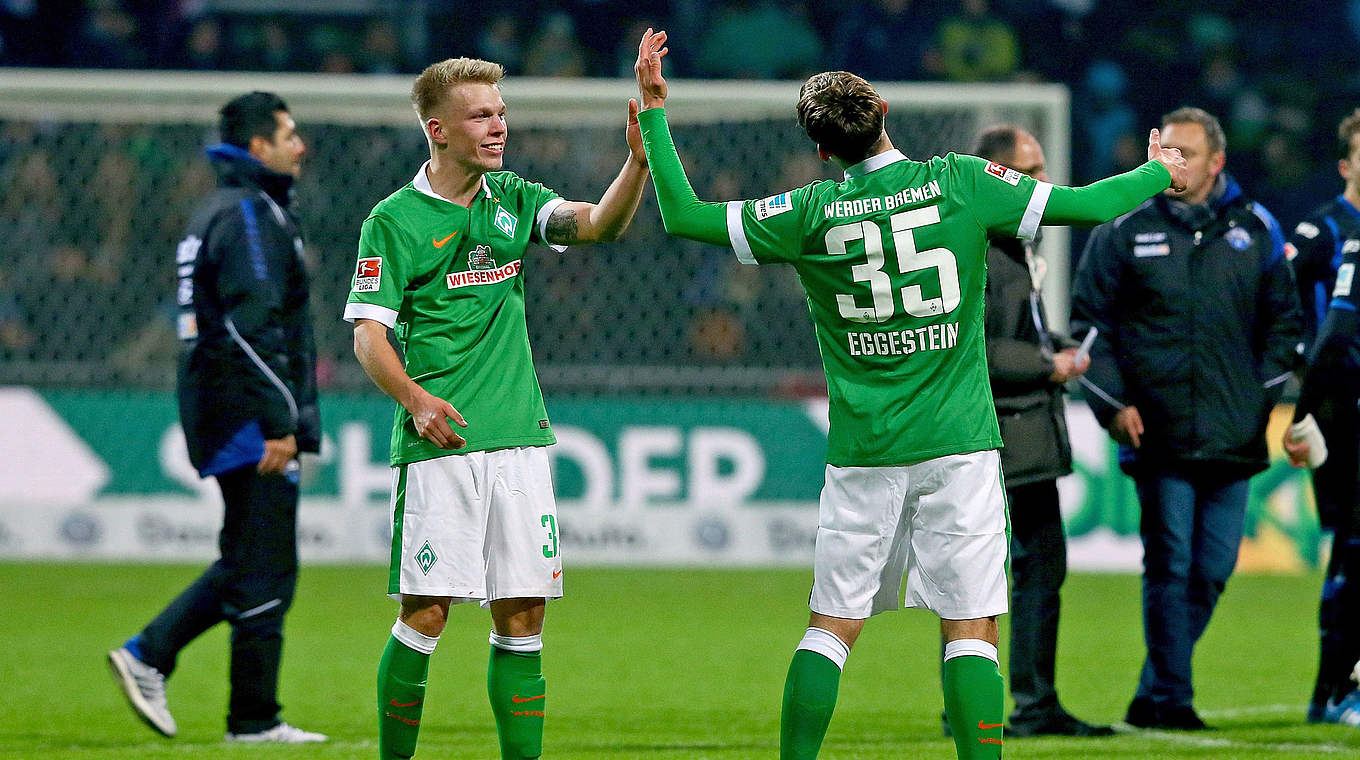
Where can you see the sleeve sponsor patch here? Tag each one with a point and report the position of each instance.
(1307, 229)
(1345, 275)
(1003, 173)
(773, 206)
(368, 275)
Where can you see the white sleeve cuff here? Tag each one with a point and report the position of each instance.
(1034, 212)
(541, 222)
(737, 235)
(371, 311)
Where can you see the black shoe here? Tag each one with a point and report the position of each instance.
(1142, 713)
(1056, 724)
(1180, 718)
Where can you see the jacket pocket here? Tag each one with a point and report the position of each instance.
(1032, 450)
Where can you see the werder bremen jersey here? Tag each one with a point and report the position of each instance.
(450, 280)
(893, 260)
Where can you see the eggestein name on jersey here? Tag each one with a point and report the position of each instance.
(904, 342)
(482, 276)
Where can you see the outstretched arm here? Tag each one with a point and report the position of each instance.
(579, 222)
(1104, 200)
(682, 213)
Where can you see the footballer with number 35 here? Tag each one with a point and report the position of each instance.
(893, 260)
(474, 518)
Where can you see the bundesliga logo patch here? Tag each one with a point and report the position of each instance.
(1005, 174)
(368, 275)
(773, 206)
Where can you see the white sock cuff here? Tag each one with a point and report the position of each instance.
(413, 638)
(826, 644)
(971, 647)
(521, 644)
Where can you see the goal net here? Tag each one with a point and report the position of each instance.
(98, 172)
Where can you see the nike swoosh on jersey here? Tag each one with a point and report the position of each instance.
(440, 243)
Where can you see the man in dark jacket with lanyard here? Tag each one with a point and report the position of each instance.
(1317, 254)
(1199, 327)
(247, 398)
(1028, 366)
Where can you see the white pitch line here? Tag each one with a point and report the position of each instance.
(1242, 712)
(1204, 741)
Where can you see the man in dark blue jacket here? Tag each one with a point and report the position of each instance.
(247, 398)
(1199, 328)
(1333, 373)
(1317, 244)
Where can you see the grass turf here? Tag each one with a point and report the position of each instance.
(640, 664)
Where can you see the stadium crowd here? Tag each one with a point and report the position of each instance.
(1279, 86)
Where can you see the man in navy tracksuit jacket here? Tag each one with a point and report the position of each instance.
(1200, 327)
(1318, 251)
(247, 399)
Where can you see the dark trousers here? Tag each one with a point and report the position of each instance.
(1038, 568)
(1339, 618)
(250, 587)
(1191, 528)
(1336, 491)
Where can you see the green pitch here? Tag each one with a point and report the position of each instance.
(640, 664)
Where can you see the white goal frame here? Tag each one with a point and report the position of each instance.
(194, 97)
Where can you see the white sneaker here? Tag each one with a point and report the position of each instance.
(144, 687)
(280, 734)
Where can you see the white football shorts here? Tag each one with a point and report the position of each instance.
(476, 527)
(941, 523)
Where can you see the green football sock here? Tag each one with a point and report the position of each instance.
(974, 698)
(401, 697)
(809, 699)
(515, 684)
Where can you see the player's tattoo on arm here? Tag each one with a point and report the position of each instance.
(562, 227)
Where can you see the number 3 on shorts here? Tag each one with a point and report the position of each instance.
(550, 522)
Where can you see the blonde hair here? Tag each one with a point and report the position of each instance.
(433, 84)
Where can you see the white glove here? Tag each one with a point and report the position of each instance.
(1306, 430)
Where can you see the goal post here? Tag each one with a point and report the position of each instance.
(118, 157)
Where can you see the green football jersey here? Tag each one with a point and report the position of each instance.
(450, 280)
(894, 262)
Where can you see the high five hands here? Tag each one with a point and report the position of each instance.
(651, 85)
(1171, 158)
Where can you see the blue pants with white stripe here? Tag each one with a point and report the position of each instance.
(250, 587)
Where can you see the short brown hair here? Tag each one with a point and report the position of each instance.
(996, 143)
(842, 113)
(433, 84)
(1213, 131)
(1350, 127)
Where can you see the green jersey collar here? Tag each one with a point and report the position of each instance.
(874, 163)
(421, 182)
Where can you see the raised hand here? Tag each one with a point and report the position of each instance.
(634, 134)
(1171, 158)
(651, 84)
